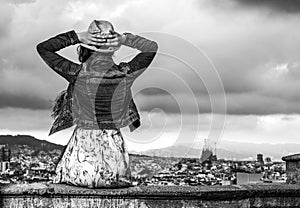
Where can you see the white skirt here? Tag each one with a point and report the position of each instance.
(95, 158)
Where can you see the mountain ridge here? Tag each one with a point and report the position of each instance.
(226, 149)
(35, 143)
(231, 150)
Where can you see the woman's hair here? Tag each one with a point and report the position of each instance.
(83, 53)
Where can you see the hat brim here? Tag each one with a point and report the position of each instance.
(94, 48)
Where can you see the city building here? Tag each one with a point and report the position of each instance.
(207, 155)
(249, 178)
(5, 153)
(5, 156)
(292, 168)
(4, 165)
(260, 159)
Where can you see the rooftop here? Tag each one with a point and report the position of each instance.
(295, 157)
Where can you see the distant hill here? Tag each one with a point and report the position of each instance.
(230, 150)
(189, 152)
(37, 144)
(275, 151)
(225, 149)
(32, 142)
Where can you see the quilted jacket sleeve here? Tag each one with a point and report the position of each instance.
(48, 48)
(148, 50)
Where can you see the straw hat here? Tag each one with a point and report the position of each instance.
(104, 28)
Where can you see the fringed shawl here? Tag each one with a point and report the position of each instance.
(62, 110)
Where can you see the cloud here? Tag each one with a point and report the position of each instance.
(21, 119)
(277, 128)
(247, 47)
(286, 6)
(254, 46)
(24, 101)
(237, 104)
(21, 1)
(5, 21)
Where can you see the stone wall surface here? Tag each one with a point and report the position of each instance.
(61, 196)
(293, 175)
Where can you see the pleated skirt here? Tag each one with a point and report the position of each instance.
(95, 158)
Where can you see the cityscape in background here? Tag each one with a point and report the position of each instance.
(24, 159)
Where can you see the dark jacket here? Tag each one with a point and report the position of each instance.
(96, 97)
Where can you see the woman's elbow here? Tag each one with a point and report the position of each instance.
(155, 46)
(40, 49)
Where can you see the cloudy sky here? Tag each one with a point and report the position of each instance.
(237, 55)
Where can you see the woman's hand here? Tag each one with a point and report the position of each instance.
(114, 40)
(90, 38)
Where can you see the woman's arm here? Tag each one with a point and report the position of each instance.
(148, 50)
(147, 47)
(47, 50)
(64, 67)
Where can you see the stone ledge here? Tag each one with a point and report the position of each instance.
(234, 196)
(232, 192)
